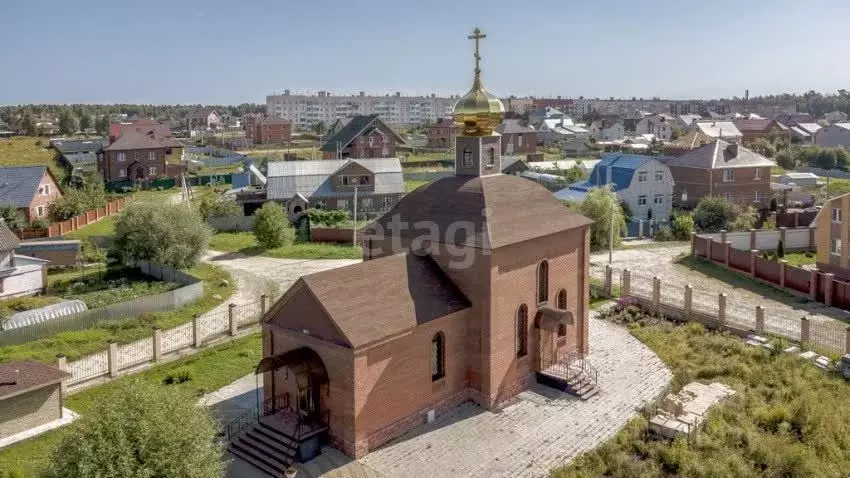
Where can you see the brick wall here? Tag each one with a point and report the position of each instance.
(112, 166)
(43, 200)
(703, 182)
(31, 409)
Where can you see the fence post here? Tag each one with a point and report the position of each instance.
(640, 229)
(157, 344)
(827, 288)
(782, 236)
(847, 340)
(726, 252)
(231, 317)
(753, 255)
(721, 309)
(608, 285)
(112, 358)
(626, 288)
(656, 294)
(723, 236)
(689, 301)
(752, 239)
(62, 364)
(693, 244)
(264, 304)
(782, 265)
(759, 320)
(708, 242)
(196, 332)
(811, 238)
(813, 284)
(804, 329)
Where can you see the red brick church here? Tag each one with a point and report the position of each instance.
(472, 287)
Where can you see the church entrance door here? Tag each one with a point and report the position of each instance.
(308, 398)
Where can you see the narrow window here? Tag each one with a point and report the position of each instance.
(562, 304)
(542, 282)
(467, 158)
(642, 176)
(758, 174)
(836, 214)
(151, 155)
(522, 331)
(491, 157)
(658, 199)
(836, 247)
(438, 357)
(121, 157)
(756, 196)
(659, 175)
(641, 200)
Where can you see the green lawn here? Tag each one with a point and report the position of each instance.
(210, 370)
(30, 151)
(788, 418)
(78, 343)
(800, 259)
(245, 243)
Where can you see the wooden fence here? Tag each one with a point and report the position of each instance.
(192, 290)
(60, 228)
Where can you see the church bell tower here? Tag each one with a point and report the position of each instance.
(478, 149)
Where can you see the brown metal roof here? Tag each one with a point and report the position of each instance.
(720, 154)
(133, 139)
(746, 125)
(501, 210)
(31, 376)
(371, 300)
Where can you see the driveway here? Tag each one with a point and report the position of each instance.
(782, 313)
(258, 275)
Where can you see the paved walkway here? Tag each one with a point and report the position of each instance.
(540, 430)
(648, 261)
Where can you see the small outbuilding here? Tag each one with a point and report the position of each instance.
(30, 396)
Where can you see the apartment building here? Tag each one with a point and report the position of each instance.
(304, 111)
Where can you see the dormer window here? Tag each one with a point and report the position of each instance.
(364, 179)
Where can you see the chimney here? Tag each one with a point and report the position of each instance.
(732, 148)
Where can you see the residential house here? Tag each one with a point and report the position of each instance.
(658, 124)
(442, 133)
(19, 275)
(790, 119)
(517, 138)
(644, 183)
(725, 130)
(143, 150)
(81, 154)
(203, 120)
(585, 165)
(32, 189)
(722, 169)
(331, 184)
(609, 128)
(803, 132)
(835, 117)
(833, 135)
(832, 235)
(804, 180)
(31, 395)
(561, 131)
(630, 121)
(268, 130)
(537, 115)
(752, 129)
(686, 120)
(362, 137)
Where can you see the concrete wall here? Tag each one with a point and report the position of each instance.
(31, 409)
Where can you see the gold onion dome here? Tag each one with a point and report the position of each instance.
(478, 113)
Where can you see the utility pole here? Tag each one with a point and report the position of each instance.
(354, 229)
(611, 234)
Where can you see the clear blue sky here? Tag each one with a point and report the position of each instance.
(179, 51)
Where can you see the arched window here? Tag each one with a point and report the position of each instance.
(542, 282)
(438, 356)
(522, 331)
(491, 157)
(562, 304)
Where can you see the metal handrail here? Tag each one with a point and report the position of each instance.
(253, 414)
(324, 419)
(572, 363)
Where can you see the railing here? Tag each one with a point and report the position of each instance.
(571, 365)
(253, 415)
(323, 419)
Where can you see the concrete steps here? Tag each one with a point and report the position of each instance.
(266, 448)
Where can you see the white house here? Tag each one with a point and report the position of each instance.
(658, 124)
(725, 130)
(561, 130)
(607, 129)
(19, 275)
(835, 134)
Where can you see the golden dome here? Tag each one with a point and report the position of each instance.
(478, 113)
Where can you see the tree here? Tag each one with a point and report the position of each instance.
(681, 227)
(603, 207)
(13, 217)
(210, 207)
(170, 234)
(785, 159)
(85, 122)
(141, 429)
(271, 225)
(68, 123)
(744, 219)
(780, 249)
(28, 125)
(713, 213)
(102, 124)
(773, 205)
(320, 128)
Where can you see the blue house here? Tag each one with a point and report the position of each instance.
(642, 182)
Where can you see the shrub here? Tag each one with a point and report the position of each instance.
(271, 225)
(327, 217)
(176, 376)
(664, 233)
(40, 223)
(780, 250)
(210, 207)
(170, 234)
(744, 219)
(13, 216)
(769, 224)
(682, 227)
(141, 429)
(628, 311)
(773, 205)
(713, 213)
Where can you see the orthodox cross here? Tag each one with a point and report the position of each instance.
(477, 35)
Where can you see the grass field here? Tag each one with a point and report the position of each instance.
(788, 418)
(739, 280)
(800, 259)
(209, 370)
(30, 151)
(245, 243)
(79, 343)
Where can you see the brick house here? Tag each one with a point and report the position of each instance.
(759, 128)
(517, 138)
(141, 151)
(205, 119)
(268, 130)
(832, 227)
(721, 169)
(442, 133)
(30, 395)
(367, 352)
(362, 137)
(32, 189)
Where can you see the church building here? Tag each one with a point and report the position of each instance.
(472, 287)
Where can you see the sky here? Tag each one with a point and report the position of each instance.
(230, 52)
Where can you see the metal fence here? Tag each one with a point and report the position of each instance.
(199, 332)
